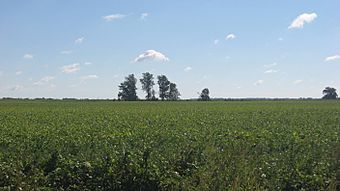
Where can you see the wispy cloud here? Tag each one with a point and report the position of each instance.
(143, 16)
(151, 55)
(70, 68)
(216, 41)
(270, 65)
(270, 71)
(332, 58)
(187, 69)
(79, 40)
(297, 81)
(88, 63)
(19, 72)
(230, 36)
(67, 51)
(258, 82)
(89, 77)
(302, 19)
(17, 88)
(109, 18)
(28, 56)
(44, 80)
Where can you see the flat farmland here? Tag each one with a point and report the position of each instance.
(184, 145)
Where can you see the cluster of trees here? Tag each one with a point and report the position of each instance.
(167, 90)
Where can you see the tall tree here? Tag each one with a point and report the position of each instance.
(205, 95)
(147, 84)
(173, 92)
(164, 85)
(128, 89)
(329, 93)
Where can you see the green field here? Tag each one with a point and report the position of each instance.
(235, 145)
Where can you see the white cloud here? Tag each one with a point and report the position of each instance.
(270, 65)
(151, 55)
(332, 58)
(89, 77)
(28, 56)
(67, 51)
(70, 68)
(230, 36)
(79, 40)
(258, 82)
(280, 39)
(143, 16)
(113, 17)
(87, 63)
(187, 69)
(302, 19)
(297, 81)
(19, 72)
(270, 71)
(43, 81)
(17, 88)
(216, 41)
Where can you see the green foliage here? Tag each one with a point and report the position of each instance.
(205, 95)
(102, 145)
(147, 84)
(329, 93)
(128, 89)
(164, 86)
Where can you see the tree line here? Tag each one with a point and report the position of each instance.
(168, 90)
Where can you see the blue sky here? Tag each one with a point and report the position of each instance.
(84, 49)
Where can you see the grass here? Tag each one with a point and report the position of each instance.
(102, 145)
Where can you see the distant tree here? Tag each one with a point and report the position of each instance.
(164, 85)
(329, 93)
(147, 84)
(205, 95)
(173, 92)
(128, 89)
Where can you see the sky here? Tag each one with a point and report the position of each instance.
(237, 49)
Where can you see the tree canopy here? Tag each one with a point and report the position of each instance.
(205, 95)
(128, 89)
(147, 85)
(164, 86)
(329, 93)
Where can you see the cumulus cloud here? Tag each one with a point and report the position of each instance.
(187, 69)
(230, 36)
(302, 19)
(143, 16)
(151, 55)
(109, 18)
(66, 51)
(270, 71)
(297, 81)
(28, 56)
(19, 72)
(70, 68)
(332, 58)
(89, 77)
(43, 81)
(258, 82)
(79, 40)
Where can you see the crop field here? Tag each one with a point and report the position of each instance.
(187, 145)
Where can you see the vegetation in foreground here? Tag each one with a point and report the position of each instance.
(257, 145)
